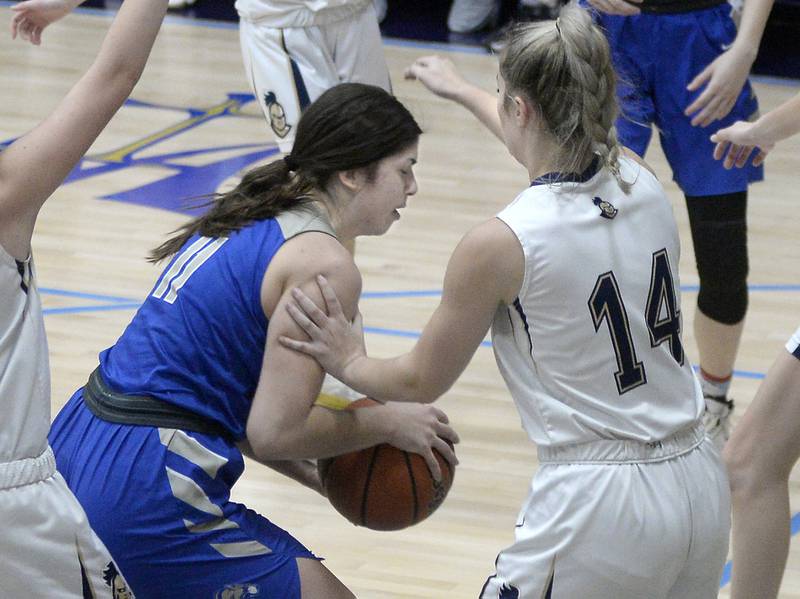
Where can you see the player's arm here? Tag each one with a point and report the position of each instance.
(35, 164)
(725, 77)
(440, 76)
(737, 142)
(484, 272)
(284, 423)
(303, 471)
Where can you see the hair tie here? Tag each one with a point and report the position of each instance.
(290, 162)
(558, 27)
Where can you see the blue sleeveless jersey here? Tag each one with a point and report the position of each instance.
(198, 339)
(159, 498)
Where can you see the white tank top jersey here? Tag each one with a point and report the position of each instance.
(24, 364)
(298, 13)
(591, 349)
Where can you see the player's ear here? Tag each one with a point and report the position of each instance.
(353, 179)
(524, 111)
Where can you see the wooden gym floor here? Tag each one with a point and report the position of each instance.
(190, 130)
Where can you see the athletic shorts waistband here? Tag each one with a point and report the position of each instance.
(617, 451)
(28, 470)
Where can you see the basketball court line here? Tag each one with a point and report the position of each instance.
(109, 302)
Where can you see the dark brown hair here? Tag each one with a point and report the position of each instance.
(350, 126)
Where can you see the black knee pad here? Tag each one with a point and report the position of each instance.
(719, 233)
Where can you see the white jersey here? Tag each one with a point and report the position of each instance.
(48, 546)
(299, 13)
(591, 349)
(24, 365)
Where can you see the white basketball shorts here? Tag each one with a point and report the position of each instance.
(290, 68)
(621, 520)
(48, 548)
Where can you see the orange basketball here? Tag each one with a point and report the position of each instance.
(382, 487)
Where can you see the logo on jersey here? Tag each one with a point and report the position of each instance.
(607, 209)
(119, 588)
(277, 116)
(238, 591)
(508, 591)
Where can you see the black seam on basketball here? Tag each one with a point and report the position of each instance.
(413, 486)
(365, 494)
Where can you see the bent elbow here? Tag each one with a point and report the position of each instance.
(268, 445)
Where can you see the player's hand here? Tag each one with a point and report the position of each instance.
(737, 142)
(724, 79)
(438, 74)
(421, 428)
(333, 340)
(32, 16)
(625, 8)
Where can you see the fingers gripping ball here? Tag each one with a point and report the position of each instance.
(382, 487)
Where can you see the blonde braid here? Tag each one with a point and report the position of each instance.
(590, 59)
(564, 67)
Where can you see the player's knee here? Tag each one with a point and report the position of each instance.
(719, 232)
(750, 473)
(741, 474)
(724, 304)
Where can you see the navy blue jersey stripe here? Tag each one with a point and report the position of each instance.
(300, 86)
(557, 177)
(521, 312)
(549, 593)
(21, 270)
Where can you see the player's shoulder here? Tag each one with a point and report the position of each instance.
(493, 234)
(318, 252)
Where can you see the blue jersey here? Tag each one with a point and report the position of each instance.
(159, 497)
(198, 339)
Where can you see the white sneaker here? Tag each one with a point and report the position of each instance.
(717, 419)
(467, 16)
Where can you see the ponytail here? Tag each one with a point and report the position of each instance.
(264, 192)
(350, 126)
(564, 67)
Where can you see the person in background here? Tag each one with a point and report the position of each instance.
(294, 50)
(684, 67)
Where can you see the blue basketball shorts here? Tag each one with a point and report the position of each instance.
(656, 56)
(160, 500)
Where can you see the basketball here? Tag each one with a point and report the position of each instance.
(382, 487)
